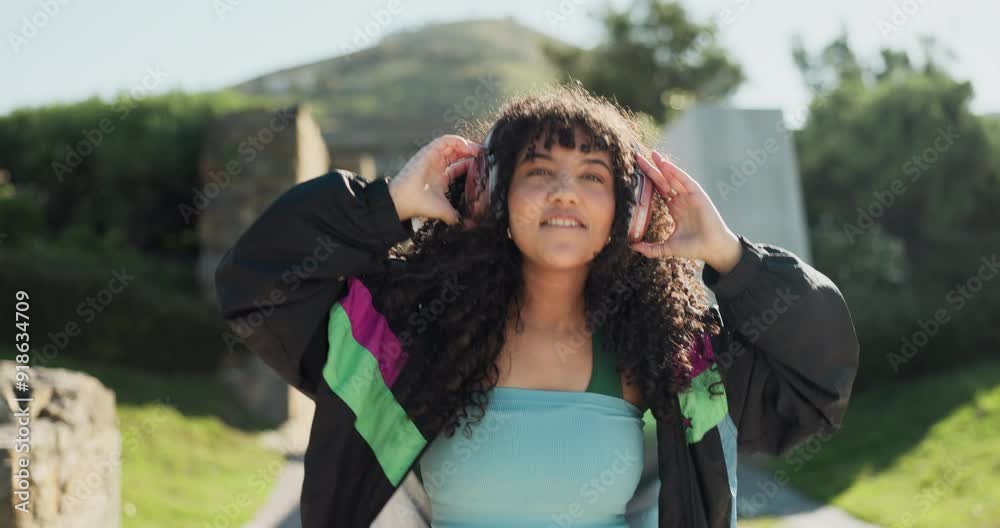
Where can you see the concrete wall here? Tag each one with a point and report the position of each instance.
(289, 149)
(251, 174)
(745, 160)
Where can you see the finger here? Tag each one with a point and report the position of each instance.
(651, 250)
(671, 187)
(455, 147)
(674, 172)
(679, 201)
(647, 251)
(454, 218)
(457, 169)
(677, 188)
(668, 169)
(654, 175)
(451, 217)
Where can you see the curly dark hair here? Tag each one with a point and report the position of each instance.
(650, 310)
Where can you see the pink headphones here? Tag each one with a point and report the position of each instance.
(481, 181)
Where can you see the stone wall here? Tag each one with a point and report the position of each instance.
(253, 157)
(74, 456)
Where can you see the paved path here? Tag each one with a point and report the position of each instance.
(282, 507)
(762, 496)
(281, 510)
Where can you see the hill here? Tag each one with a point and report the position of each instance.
(415, 82)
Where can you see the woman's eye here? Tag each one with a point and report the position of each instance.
(537, 171)
(594, 177)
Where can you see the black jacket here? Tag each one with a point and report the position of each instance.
(298, 286)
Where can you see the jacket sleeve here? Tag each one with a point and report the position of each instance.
(276, 285)
(788, 353)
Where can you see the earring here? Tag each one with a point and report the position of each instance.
(609, 239)
(508, 234)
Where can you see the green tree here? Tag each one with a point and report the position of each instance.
(902, 186)
(892, 143)
(654, 59)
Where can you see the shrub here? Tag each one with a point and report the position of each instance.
(915, 311)
(22, 215)
(111, 314)
(122, 165)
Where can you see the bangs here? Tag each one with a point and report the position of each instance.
(549, 129)
(552, 116)
(552, 130)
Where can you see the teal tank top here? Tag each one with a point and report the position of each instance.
(541, 458)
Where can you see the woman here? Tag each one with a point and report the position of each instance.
(538, 329)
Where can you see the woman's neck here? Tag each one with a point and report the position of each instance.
(553, 299)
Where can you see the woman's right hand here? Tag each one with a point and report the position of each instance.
(419, 188)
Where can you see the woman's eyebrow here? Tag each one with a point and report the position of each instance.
(598, 162)
(531, 154)
(536, 154)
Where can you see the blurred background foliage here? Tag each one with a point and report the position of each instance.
(116, 209)
(901, 183)
(118, 167)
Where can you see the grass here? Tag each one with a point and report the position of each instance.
(190, 456)
(759, 522)
(917, 454)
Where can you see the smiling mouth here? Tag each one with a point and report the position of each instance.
(562, 224)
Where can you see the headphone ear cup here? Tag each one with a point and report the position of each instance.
(477, 192)
(481, 180)
(639, 215)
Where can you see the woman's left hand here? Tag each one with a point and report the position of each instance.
(699, 231)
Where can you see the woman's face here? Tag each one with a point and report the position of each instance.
(561, 203)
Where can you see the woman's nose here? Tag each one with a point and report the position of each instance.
(562, 188)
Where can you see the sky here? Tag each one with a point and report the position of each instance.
(67, 50)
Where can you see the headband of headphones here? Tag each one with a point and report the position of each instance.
(481, 182)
